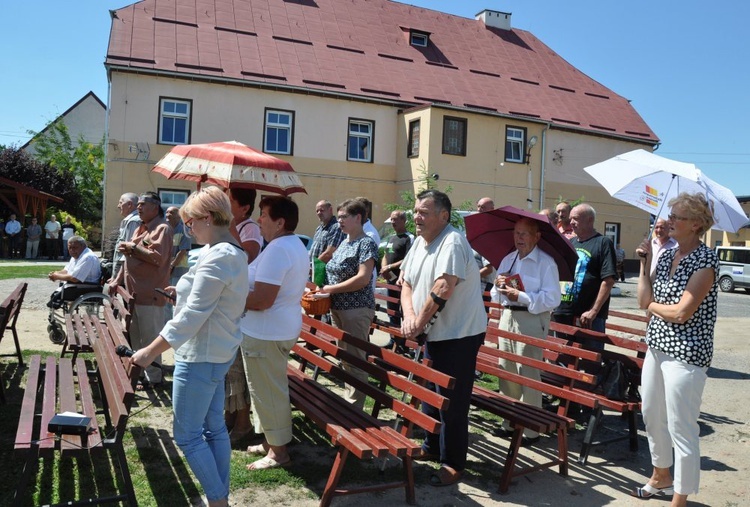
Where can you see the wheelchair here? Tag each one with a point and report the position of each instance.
(73, 298)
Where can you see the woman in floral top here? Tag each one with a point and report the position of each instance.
(682, 303)
(348, 276)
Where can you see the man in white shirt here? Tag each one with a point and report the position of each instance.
(83, 267)
(130, 222)
(526, 311)
(372, 232)
(660, 243)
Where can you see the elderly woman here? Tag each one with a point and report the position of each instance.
(205, 333)
(237, 399)
(682, 303)
(271, 327)
(348, 276)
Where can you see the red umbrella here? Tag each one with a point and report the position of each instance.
(491, 234)
(229, 164)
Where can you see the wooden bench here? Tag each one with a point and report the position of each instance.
(60, 385)
(9, 310)
(521, 415)
(630, 352)
(80, 328)
(351, 430)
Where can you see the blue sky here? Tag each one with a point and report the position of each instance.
(683, 64)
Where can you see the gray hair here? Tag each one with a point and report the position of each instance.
(130, 197)
(77, 239)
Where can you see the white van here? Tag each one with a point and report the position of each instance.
(734, 268)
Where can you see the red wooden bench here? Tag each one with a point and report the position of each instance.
(352, 431)
(60, 385)
(9, 310)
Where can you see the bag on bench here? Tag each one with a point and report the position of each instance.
(614, 380)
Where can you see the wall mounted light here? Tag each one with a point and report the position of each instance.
(530, 144)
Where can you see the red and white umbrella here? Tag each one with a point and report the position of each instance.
(229, 164)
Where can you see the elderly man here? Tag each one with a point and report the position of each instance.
(660, 243)
(562, 210)
(328, 235)
(439, 274)
(129, 223)
(178, 266)
(33, 235)
(51, 232)
(83, 267)
(147, 256)
(485, 204)
(526, 310)
(587, 298)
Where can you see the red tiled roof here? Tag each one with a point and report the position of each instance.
(361, 47)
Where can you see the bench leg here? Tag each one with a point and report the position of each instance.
(127, 481)
(510, 460)
(28, 468)
(594, 421)
(18, 345)
(333, 478)
(411, 498)
(562, 450)
(633, 429)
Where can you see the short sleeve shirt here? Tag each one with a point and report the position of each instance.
(693, 341)
(325, 236)
(344, 265)
(596, 261)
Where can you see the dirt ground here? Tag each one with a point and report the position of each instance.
(612, 470)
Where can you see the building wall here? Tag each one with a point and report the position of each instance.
(223, 112)
(88, 118)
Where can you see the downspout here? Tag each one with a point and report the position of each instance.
(106, 154)
(544, 161)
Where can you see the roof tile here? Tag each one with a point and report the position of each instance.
(363, 44)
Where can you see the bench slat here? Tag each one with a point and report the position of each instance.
(25, 432)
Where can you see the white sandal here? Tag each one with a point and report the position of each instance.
(648, 491)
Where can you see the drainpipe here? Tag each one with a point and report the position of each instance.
(544, 160)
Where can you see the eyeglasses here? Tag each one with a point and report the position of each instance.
(672, 217)
(189, 222)
(342, 217)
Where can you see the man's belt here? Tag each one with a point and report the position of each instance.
(517, 308)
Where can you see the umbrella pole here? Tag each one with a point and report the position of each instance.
(651, 229)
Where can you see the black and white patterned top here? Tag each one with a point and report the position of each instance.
(693, 341)
(344, 265)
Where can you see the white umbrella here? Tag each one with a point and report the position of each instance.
(649, 181)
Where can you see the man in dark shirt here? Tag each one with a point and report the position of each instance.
(587, 297)
(395, 251)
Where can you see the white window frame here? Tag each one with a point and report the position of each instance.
(172, 197)
(164, 115)
(274, 127)
(359, 136)
(515, 136)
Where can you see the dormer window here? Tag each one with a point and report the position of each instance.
(419, 39)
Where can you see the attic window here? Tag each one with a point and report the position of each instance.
(418, 38)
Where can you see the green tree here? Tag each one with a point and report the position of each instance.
(82, 162)
(427, 181)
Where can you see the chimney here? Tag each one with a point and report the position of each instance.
(495, 19)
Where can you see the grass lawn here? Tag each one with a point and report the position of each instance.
(10, 271)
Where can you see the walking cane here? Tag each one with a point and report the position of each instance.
(421, 341)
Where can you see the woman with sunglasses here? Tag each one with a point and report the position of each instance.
(682, 303)
(205, 334)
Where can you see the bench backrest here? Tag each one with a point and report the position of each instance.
(319, 348)
(627, 350)
(117, 376)
(122, 304)
(10, 308)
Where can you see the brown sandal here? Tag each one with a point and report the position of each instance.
(445, 476)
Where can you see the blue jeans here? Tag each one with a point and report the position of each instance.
(199, 428)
